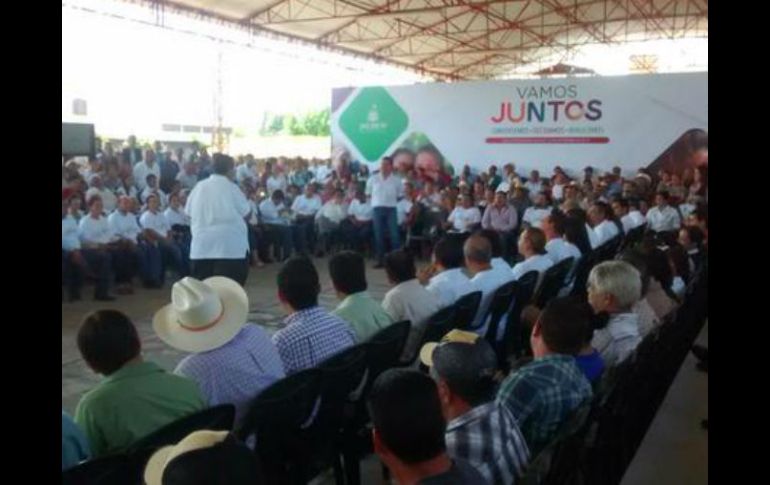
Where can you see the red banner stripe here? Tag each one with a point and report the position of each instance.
(549, 139)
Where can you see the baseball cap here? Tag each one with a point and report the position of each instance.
(203, 457)
(462, 358)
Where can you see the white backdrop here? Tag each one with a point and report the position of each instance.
(640, 116)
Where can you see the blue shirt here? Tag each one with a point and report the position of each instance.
(592, 365)
(311, 336)
(237, 371)
(74, 445)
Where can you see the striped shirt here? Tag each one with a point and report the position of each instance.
(488, 438)
(311, 336)
(542, 394)
(237, 371)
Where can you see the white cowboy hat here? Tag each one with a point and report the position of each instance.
(156, 465)
(203, 315)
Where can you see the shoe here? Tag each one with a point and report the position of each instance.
(104, 298)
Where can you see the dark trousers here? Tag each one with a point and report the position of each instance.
(357, 237)
(125, 262)
(385, 222)
(97, 261)
(280, 237)
(235, 269)
(304, 234)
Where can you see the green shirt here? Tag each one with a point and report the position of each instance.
(364, 315)
(133, 402)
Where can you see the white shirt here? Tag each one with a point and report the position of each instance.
(678, 286)
(499, 263)
(503, 186)
(361, 211)
(461, 218)
(665, 220)
(402, 209)
(333, 211)
(557, 192)
(448, 286)
(534, 188)
(648, 320)
(109, 199)
(618, 339)
(187, 181)
(162, 197)
(686, 209)
(141, 171)
(322, 172)
(306, 206)
(217, 210)
(410, 301)
(95, 231)
(592, 237)
(538, 262)
(70, 240)
(157, 222)
(558, 250)
(270, 212)
(384, 191)
(243, 172)
(176, 217)
(605, 231)
(487, 282)
(534, 216)
(637, 218)
(124, 226)
(276, 182)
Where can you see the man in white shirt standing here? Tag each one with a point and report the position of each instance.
(663, 217)
(385, 189)
(305, 208)
(218, 211)
(144, 168)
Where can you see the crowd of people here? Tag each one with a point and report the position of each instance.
(462, 421)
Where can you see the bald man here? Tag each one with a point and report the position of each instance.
(484, 277)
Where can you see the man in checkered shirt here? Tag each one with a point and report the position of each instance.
(542, 394)
(480, 430)
(311, 334)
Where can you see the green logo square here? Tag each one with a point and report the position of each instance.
(373, 121)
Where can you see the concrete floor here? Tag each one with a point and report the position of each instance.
(674, 451)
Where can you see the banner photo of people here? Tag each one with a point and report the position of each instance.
(656, 121)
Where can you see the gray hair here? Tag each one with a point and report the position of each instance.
(619, 279)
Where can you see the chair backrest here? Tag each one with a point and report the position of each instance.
(515, 336)
(217, 418)
(501, 303)
(466, 308)
(282, 407)
(343, 374)
(439, 324)
(385, 348)
(582, 270)
(554, 279)
(105, 470)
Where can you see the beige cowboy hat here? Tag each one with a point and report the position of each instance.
(198, 440)
(202, 315)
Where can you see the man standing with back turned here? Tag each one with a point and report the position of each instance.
(218, 211)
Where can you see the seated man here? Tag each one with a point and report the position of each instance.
(534, 215)
(204, 457)
(125, 225)
(305, 207)
(480, 430)
(365, 316)
(311, 334)
(357, 228)
(613, 288)
(409, 431)
(445, 279)
(604, 228)
(328, 221)
(231, 361)
(663, 218)
(497, 248)
(542, 394)
(557, 248)
(501, 217)
(465, 217)
(157, 231)
(408, 299)
(484, 278)
(137, 397)
(532, 248)
(79, 262)
(152, 189)
(272, 214)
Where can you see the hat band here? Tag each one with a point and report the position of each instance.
(205, 327)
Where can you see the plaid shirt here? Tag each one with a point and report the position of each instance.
(488, 438)
(310, 336)
(542, 394)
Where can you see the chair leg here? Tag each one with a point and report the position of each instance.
(339, 475)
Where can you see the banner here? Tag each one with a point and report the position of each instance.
(626, 121)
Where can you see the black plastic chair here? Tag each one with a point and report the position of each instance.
(277, 418)
(217, 418)
(466, 308)
(516, 337)
(384, 349)
(554, 279)
(501, 303)
(438, 325)
(582, 270)
(106, 470)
